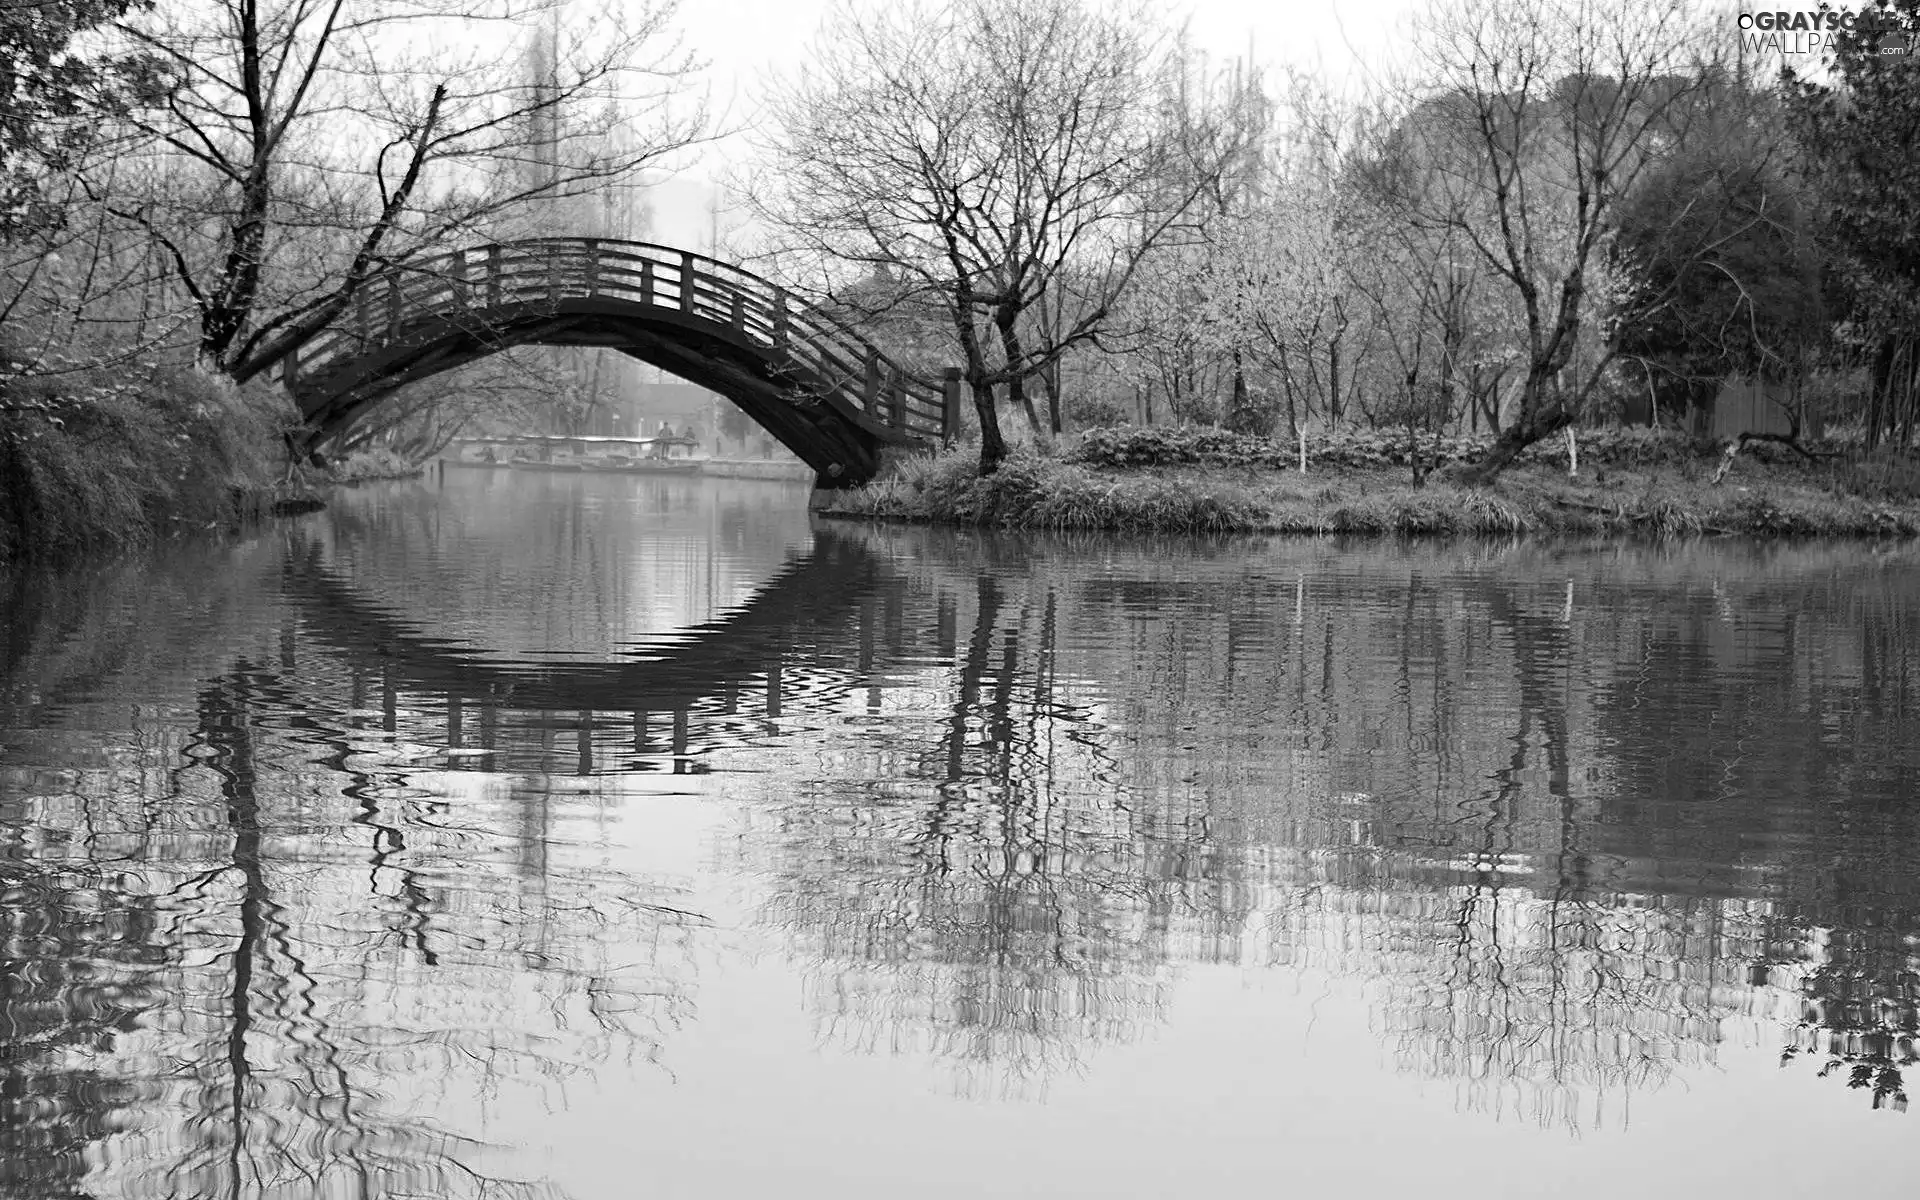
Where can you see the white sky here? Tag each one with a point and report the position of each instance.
(745, 42)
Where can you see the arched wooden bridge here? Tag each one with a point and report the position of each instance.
(829, 396)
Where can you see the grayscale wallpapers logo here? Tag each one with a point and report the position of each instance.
(1802, 32)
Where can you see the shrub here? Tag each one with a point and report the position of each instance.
(1890, 473)
(1031, 491)
(1158, 445)
(104, 460)
(1090, 411)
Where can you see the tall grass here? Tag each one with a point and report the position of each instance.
(100, 461)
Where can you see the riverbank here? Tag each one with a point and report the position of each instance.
(1656, 488)
(102, 461)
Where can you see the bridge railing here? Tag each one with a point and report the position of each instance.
(467, 288)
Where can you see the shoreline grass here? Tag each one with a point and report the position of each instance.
(95, 462)
(1657, 499)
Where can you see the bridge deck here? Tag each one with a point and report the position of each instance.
(688, 313)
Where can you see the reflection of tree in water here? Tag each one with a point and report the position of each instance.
(971, 906)
(1779, 740)
(1547, 990)
(1861, 1014)
(1553, 1013)
(278, 965)
(1453, 784)
(313, 1040)
(72, 947)
(1850, 944)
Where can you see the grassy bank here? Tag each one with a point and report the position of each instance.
(100, 460)
(1655, 486)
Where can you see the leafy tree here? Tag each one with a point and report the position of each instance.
(56, 98)
(1860, 130)
(1728, 269)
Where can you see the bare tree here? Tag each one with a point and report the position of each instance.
(1541, 116)
(307, 144)
(985, 152)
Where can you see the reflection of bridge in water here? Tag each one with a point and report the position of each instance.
(1012, 863)
(788, 644)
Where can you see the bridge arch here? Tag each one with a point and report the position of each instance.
(831, 397)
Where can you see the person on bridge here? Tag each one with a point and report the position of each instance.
(663, 443)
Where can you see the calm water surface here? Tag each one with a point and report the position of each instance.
(541, 835)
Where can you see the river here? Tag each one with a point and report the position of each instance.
(595, 836)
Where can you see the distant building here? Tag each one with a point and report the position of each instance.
(1735, 405)
(679, 404)
(692, 411)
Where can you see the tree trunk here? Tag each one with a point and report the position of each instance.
(993, 447)
(1537, 420)
(1333, 382)
(1051, 377)
(1880, 391)
(1006, 320)
(1238, 405)
(1907, 381)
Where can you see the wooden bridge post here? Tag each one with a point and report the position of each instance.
(646, 281)
(457, 277)
(781, 331)
(896, 400)
(870, 392)
(737, 317)
(950, 407)
(687, 276)
(593, 266)
(494, 271)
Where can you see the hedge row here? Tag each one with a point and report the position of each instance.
(1152, 445)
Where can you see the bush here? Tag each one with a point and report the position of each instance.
(104, 460)
(1156, 445)
(1889, 473)
(1090, 411)
(1031, 491)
